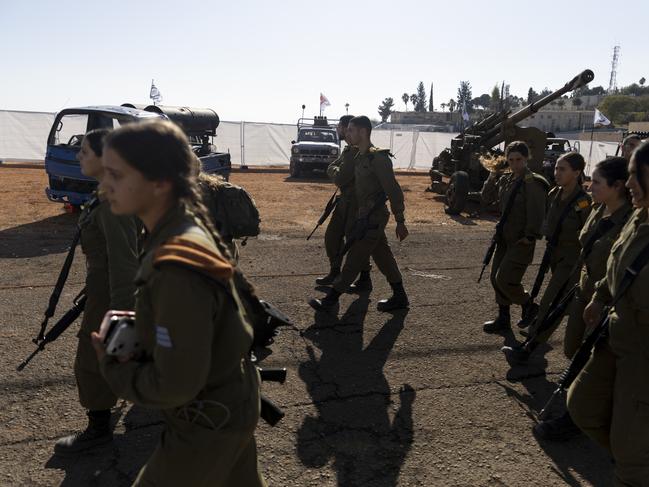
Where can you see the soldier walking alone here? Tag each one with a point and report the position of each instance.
(374, 180)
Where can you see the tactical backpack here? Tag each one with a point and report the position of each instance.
(231, 207)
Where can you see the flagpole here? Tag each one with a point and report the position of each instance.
(590, 152)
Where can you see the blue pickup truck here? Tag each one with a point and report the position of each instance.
(68, 185)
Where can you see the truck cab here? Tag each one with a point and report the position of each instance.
(66, 183)
(316, 147)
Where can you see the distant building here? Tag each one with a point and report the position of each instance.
(560, 120)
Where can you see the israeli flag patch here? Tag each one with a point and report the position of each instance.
(162, 337)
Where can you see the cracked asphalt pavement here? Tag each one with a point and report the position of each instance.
(421, 397)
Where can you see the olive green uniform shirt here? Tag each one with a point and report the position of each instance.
(373, 175)
(341, 172)
(194, 336)
(528, 212)
(568, 246)
(109, 243)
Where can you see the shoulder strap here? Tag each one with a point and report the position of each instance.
(630, 273)
(508, 208)
(557, 230)
(65, 271)
(190, 253)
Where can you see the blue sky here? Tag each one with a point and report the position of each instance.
(260, 60)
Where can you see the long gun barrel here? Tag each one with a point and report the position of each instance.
(496, 135)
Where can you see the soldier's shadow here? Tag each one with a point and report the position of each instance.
(51, 235)
(118, 464)
(577, 455)
(353, 426)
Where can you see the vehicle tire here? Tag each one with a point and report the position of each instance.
(294, 169)
(457, 193)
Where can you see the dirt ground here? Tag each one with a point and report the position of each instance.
(417, 398)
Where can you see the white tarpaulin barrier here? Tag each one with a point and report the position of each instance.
(23, 137)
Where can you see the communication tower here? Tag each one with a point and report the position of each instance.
(612, 84)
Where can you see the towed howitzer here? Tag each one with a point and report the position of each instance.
(331, 204)
(461, 162)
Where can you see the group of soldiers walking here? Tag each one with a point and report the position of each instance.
(195, 366)
(597, 248)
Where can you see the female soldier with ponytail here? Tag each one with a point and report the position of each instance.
(612, 208)
(109, 243)
(195, 363)
(609, 400)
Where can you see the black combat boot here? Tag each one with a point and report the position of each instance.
(398, 300)
(520, 354)
(557, 429)
(96, 434)
(328, 280)
(327, 303)
(529, 310)
(363, 283)
(502, 321)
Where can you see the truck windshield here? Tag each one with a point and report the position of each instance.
(328, 136)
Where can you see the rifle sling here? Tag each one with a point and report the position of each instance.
(508, 207)
(64, 273)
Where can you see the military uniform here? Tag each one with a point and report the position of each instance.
(341, 223)
(593, 270)
(525, 220)
(373, 177)
(609, 400)
(195, 365)
(566, 252)
(109, 243)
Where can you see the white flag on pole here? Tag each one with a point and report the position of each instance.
(324, 102)
(155, 94)
(600, 119)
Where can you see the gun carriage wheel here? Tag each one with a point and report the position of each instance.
(457, 193)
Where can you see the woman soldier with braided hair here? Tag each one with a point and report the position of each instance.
(195, 363)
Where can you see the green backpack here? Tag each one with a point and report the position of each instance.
(231, 207)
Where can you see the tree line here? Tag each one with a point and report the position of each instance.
(629, 103)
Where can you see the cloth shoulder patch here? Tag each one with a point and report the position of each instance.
(162, 337)
(190, 253)
(582, 204)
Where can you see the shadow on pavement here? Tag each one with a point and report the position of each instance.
(117, 464)
(52, 235)
(353, 427)
(577, 455)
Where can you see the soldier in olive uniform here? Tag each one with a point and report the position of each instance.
(109, 243)
(610, 213)
(341, 223)
(195, 364)
(629, 144)
(374, 180)
(609, 400)
(568, 211)
(515, 246)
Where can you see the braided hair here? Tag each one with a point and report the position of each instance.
(160, 150)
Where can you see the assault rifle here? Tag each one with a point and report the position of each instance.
(331, 204)
(362, 225)
(78, 304)
(599, 333)
(499, 227)
(551, 245)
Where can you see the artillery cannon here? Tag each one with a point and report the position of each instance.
(461, 162)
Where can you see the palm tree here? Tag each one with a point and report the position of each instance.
(443, 105)
(413, 100)
(406, 98)
(451, 105)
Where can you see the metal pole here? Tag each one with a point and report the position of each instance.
(590, 152)
(243, 145)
